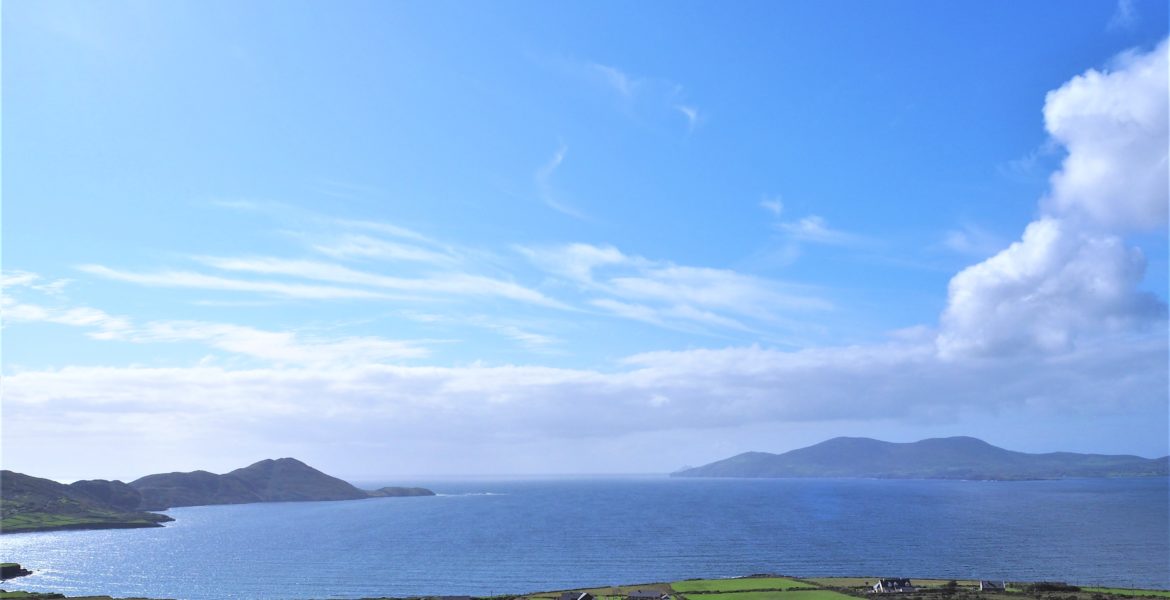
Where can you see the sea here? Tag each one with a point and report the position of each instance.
(511, 536)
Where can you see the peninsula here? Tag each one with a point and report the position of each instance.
(936, 458)
(33, 504)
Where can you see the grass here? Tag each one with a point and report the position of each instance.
(40, 520)
(743, 584)
(1127, 591)
(778, 595)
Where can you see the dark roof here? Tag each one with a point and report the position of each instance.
(895, 583)
(994, 584)
(644, 594)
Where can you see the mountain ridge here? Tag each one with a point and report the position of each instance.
(960, 457)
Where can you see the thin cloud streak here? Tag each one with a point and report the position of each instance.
(548, 195)
(187, 279)
(276, 347)
(457, 284)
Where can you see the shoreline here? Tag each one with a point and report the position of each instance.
(762, 587)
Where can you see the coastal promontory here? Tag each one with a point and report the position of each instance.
(34, 504)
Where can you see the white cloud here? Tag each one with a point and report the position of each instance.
(544, 187)
(458, 284)
(381, 227)
(816, 230)
(1045, 291)
(971, 240)
(1072, 277)
(574, 261)
(364, 246)
(276, 347)
(23, 279)
(514, 330)
(1124, 16)
(373, 405)
(105, 324)
(714, 288)
(1114, 125)
(666, 294)
(615, 79)
(641, 96)
(691, 113)
(187, 279)
(773, 205)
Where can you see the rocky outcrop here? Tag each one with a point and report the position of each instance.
(398, 492)
(11, 570)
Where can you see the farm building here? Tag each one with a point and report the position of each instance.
(992, 586)
(887, 586)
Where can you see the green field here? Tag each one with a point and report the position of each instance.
(47, 521)
(1127, 592)
(776, 595)
(742, 584)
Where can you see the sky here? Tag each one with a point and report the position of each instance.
(434, 239)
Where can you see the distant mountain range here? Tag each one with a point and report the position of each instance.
(936, 458)
(32, 504)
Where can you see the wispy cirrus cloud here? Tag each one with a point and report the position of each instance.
(670, 295)
(641, 96)
(616, 79)
(691, 113)
(972, 240)
(193, 280)
(511, 328)
(1124, 16)
(455, 284)
(773, 205)
(548, 194)
(348, 246)
(277, 348)
(816, 230)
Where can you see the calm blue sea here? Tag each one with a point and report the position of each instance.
(493, 537)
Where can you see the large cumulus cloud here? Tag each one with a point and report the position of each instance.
(1072, 274)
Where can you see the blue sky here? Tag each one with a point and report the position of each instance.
(445, 238)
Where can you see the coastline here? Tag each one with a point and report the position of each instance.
(762, 587)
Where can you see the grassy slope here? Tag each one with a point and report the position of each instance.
(781, 595)
(34, 504)
(1128, 591)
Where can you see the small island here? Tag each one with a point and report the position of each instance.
(33, 504)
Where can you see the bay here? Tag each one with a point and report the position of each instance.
(484, 537)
